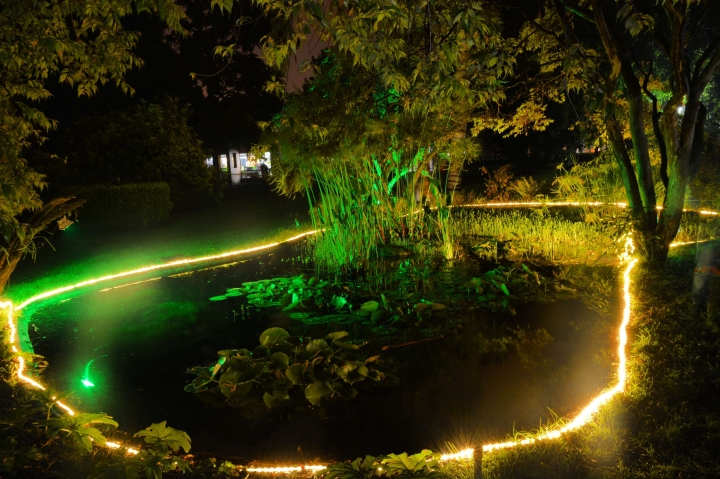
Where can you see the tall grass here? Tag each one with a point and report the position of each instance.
(536, 234)
(363, 205)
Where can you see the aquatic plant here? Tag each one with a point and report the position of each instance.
(292, 374)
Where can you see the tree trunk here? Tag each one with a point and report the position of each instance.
(17, 246)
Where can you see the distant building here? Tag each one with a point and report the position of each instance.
(241, 164)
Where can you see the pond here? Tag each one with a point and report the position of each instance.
(125, 349)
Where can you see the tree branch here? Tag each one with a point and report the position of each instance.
(656, 126)
(581, 12)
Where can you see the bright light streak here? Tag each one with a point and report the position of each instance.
(154, 267)
(275, 470)
(464, 454)
(591, 409)
(286, 469)
(585, 415)
(131, 284)
(12, 340)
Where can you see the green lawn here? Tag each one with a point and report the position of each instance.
(251, 214)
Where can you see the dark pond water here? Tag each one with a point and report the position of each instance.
(135, 342)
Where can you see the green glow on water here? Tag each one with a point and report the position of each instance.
(86, 378)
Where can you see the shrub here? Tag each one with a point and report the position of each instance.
(130, 206)
(147, 142)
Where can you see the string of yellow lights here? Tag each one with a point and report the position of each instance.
(585, 415)
(146, 269)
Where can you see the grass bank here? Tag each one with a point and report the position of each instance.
(667, 423)
(251, 214)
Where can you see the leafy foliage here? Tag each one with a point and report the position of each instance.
(80, 428)
(82, 46)
(423, 465)
(288, 373)
(164, 438)
(145, 143)
(122, 207)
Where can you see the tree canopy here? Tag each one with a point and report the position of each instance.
(144, 143)
(636, 74)
(82, 44)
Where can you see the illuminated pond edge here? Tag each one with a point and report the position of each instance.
(582, 418)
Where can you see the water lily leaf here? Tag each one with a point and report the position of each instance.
(336, 335)
(316, 391)
(295, 373)
(233, 294)
(317, 345)
(368, 308)
(276, 399)
(282, 384)
(299, 316)
(345, 345)
(348, 373)
(286, 300)
(378, 316)
(272, 336)
(231, 383)
(281, 360)
(218, 298)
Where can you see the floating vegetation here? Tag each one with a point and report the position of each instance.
(291, 375)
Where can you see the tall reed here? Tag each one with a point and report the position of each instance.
(361, 206)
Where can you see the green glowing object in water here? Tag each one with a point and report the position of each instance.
(86, 379)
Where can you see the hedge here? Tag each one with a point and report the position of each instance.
(130, 206)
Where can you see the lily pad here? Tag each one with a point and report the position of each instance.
(218, 298)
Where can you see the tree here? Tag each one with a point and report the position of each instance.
(634, 77)
(638, 72)
(82, 44)
(437, 56)
(144, 143)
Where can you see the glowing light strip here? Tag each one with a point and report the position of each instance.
(683, 243)
(285, 469)
(529, 204)
(591, 409)
(9, 309)
(581, 419)
(464, 454)
(154, 267)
